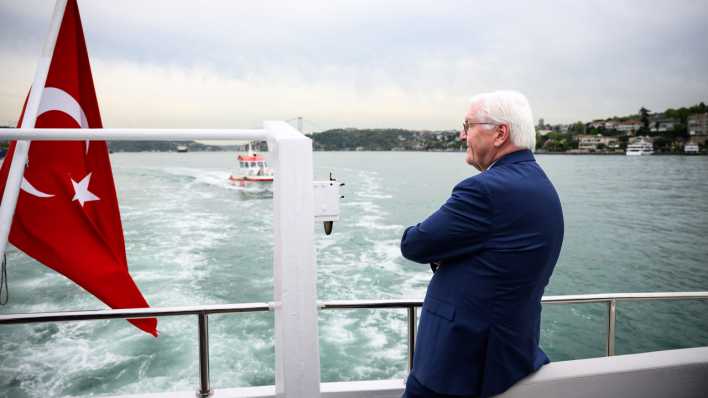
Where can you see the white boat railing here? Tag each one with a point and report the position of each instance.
(203, 311)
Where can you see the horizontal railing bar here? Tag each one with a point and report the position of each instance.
(133, 313)
(565, 299)
(607, 297)
(132, 134)
(397, 303)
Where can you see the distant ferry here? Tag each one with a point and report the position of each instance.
(640, 148)
(182, 148)
(252, 168)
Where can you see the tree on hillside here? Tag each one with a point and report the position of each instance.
(577, 127)
(644, 119)
(623, 140)
(662, 144)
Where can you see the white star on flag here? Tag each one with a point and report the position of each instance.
(82, 193)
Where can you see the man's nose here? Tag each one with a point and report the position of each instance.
(463, 135)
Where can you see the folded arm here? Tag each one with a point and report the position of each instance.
(460, 227)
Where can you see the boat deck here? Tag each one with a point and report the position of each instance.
(679, 373)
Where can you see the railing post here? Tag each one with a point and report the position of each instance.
(611, 316)
(411, 336)
(204, 389)
(297, 352)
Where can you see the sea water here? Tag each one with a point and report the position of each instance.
(631, 225)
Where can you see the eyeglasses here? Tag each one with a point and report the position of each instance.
(467, 125)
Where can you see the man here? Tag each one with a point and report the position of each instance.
(493, 246)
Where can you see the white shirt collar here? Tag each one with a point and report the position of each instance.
(491, 165)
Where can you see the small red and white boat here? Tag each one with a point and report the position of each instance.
(252, 168)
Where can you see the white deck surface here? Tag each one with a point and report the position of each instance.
(675, 373)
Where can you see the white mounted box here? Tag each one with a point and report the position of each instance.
(326, 197)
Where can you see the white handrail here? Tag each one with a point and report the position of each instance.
(134, 134)
(323, 304)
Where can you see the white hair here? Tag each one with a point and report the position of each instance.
(511, 108)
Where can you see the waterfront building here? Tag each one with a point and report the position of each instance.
(591, 142)
(663, 124)
(698, 124)
(698, 139)
(629, 127)
(691, 148)
(698, 129)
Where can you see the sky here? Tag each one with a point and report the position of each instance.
(367, 64)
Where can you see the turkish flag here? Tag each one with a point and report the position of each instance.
(67, 214)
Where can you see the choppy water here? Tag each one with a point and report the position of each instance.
(632, 225)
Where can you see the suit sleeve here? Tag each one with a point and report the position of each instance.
(460, 227)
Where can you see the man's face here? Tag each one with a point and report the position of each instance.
(480, 140)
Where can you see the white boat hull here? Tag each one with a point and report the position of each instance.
(250, 180)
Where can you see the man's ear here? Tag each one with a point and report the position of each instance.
(503, 135)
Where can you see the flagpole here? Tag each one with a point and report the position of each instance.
(19, 158)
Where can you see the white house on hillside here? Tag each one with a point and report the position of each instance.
(590, 143)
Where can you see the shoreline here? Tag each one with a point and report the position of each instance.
(418, 151)
(535, 153)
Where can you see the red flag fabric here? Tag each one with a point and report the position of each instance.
(67, 214)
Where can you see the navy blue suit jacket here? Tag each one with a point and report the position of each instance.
(498, 237)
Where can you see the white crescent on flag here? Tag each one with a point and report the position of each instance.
(27, 187)
(55, 99)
